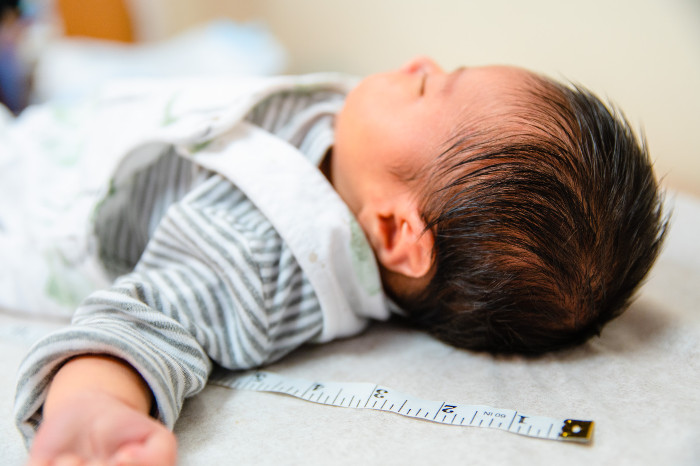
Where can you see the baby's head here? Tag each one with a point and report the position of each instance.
(507, 212)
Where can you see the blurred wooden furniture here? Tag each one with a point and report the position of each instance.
(100, 19)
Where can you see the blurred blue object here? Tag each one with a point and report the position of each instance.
(13, 79)
(14, 71)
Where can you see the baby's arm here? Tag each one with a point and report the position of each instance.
(97, 410)
(197, 295)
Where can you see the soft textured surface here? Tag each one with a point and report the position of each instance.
(639, 382)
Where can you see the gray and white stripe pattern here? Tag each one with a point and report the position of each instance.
(206, 278)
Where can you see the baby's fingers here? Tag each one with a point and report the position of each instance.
(158, 449)
(32, 461)
(66, 459)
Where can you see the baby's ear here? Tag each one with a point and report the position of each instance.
(402, 245)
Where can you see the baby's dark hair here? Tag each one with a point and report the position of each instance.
(546, 219)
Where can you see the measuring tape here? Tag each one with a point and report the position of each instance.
(371, 396)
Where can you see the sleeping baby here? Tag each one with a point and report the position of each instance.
(492, 207)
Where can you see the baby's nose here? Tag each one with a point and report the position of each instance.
(422, 64)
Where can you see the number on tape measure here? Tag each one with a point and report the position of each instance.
(371, 396)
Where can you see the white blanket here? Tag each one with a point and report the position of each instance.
(639, 382)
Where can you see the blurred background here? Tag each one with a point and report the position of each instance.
(644, 55)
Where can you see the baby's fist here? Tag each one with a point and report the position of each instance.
(98, 429)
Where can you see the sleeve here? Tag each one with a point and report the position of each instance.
(207, 288)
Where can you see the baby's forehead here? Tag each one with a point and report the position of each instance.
(498, 91)
(504, 74)
(513, 105)
(497, 87)
(503, 68)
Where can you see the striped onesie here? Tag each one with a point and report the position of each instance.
(203, 277)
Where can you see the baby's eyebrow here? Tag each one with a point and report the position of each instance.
(452, 80)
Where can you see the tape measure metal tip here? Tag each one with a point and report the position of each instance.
(577, 431)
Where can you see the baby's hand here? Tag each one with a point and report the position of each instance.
(99, 429)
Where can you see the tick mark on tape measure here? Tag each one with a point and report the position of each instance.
(373, 391)
(438, 411)
(513, 419)
(404, 403)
